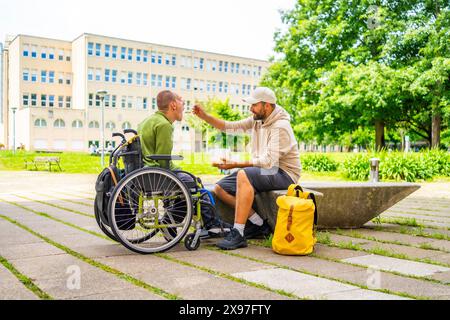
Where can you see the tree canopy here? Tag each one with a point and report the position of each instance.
(348, 66)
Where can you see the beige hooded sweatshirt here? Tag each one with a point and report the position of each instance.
(273, 142)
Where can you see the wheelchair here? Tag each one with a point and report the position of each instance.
(151, 209)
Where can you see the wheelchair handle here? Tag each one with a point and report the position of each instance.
(130, 131)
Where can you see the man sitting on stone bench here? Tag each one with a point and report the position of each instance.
(275, 164)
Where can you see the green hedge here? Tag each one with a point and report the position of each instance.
(399, 166)
(318, 162)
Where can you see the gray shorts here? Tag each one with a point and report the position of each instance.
(261, 179)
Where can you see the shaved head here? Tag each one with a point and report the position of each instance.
(164, 99)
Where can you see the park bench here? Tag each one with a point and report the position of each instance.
(339, 204)
(48, 162)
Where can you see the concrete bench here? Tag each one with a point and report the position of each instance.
(339, 204)
(46, 161)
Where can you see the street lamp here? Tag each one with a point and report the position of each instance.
(13, 109)
(102, 94)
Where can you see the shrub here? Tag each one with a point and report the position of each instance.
(318, 163)
(357, 167)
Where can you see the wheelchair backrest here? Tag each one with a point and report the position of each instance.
(131, 155)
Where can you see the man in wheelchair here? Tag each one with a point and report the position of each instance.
(156, 134)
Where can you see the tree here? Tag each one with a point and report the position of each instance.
(374, 64)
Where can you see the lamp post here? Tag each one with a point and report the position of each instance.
(13, 109)
(102, 94)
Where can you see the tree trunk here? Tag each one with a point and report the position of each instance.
(379, 135)
(435, 130)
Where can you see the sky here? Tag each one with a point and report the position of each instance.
(237, 27)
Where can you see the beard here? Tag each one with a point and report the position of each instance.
(258, 117)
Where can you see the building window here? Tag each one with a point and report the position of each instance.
(60, 101)
(51, 54)
(145, 79)
(33, 100)
(25, 99)
(160, 77)
(78, 124)
(225, 87)
(123, 102)
(51, 101)
(167, 82)
(174, 82)
(40, 123)
(60, 78)
(225, 67)
(51, 77)
(130, 54)
(44, 53)
(202, 61)
(123, 52)
(188, 84)
(43, 100)
(91, 100)
(153, 80)
(107, 75)
(196, 63)
(61, 55)
(113, 101)
(139, 102)
(138, 55)
(237, 67)
(220, 86)
(110, 125)
(107, 50)
(130, 102)
(174, 60)
(33, 51)
(126, 125)
(123, 77)
(68, 58)
(114, 76)
(68, 102)
(167, 59)
(33, 75)
(98, 74)
(214, 65)
(97, 100)
(91, 74)
(138, 78)
(59, 123)
(94, 125)
(145, 56)
(26, 75)
(43, 76)
(68, 78)
(220, 66)
(98, 49)
(90, 49)
(107, 101)
(145, 103)
(130, 77)
(153, 57)
(114, 52)
(154, 103)
(159, 58)
(26, 50)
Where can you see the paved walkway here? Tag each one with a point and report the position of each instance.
(51, 247)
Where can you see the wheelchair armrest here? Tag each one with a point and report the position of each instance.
(164, 157)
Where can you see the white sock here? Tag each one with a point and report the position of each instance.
(256, 219)
(240, 228)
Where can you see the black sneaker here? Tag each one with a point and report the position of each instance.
(232, 241)
(253, 231)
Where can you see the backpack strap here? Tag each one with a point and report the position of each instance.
(313, 198)
(295, 190)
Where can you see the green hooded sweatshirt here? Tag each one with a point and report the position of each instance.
(156, 134)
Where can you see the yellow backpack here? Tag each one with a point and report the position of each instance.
(297, 217)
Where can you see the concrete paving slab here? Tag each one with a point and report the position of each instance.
(218, 261)
(336, 253)
(388, 236)
(64, 204)
(443, 277)
(187, 282)
(417, 216)
(13, 252)
(359, 294)
(302, 285)
(440, 244)
(11, 288)
(125, 294)
(399, 265)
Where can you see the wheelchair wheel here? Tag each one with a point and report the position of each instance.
(188, 242)
(150, 210)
